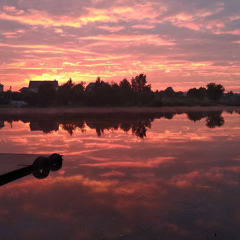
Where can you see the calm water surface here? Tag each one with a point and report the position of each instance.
(162, 175)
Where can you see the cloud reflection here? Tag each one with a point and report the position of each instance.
(180, 182)
(168, 200)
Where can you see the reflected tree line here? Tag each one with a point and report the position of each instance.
(137, 123)
(213, 119)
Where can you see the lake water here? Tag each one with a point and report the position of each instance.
(166, 174)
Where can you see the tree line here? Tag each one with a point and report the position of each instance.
(136, 92)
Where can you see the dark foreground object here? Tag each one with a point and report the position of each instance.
(40, 169)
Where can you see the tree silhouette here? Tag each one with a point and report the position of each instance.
(77, 93)
(136, 93)
(64, 94)
(200, 93)
(126, 92)
(69, 84)
(215, 91)
(169, 92)
(99, 94)
(139, 83)
(125, 85)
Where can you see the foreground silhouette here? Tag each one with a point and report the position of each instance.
(40, 169)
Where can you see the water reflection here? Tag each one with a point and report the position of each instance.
(44, 125)
(182, 182)
(1, 124)
(213, 118)
(40, 169)
(137, 123)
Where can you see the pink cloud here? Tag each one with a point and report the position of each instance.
(151, 37)
(143, 26)
(112, 29)
(113, 173)
(12, 9)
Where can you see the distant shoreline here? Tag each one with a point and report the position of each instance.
(71, 110)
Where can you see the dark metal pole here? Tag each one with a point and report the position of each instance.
(14, 175)
(40, 169)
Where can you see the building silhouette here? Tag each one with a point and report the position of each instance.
(1, 87)
(34, 85)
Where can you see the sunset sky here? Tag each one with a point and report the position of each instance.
(178, 43)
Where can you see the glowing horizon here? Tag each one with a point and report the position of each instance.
(174, 46)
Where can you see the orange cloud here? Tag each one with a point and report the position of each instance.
(41, 18)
